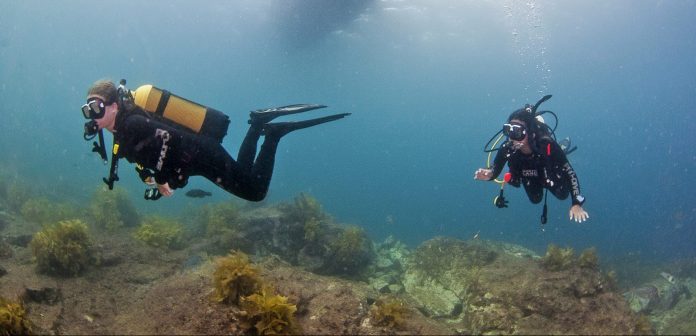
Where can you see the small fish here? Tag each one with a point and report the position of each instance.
(198, 193)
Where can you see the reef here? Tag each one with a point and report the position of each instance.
(13, 318)
(299, 231)
(349, 252)
(218, 219)
(159, 231)
(14, 193)
(43, 211)
(390, 312)
(558, 259)
(234, 278)
(667, 302)
(112, 209)
(305, 208)
(509, 294)
(265, 314)
(589, 259)
(312, 274)
(63, 248)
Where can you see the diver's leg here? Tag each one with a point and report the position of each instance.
(560, 189)
(247, 151)
(214, 163)
(534, 189)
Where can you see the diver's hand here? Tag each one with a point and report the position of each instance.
(578, 214)
(165, 190)
(483, 174)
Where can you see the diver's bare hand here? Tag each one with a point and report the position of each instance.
(578, 214)
(483, 174)
(165, 190)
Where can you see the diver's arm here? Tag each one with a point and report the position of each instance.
(146, 134)
(500, 158)
(146, 175)
(492, 172)
(576, 213)
(559, 157)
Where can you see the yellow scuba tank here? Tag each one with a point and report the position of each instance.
(193, 116)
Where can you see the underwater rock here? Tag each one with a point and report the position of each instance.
(395, 288)
(643, 299)
(5, 249)
(309, 260)
(386, 281)
(657, 296)
(518, 251)
(383, 263)
(671, 293)
(20, 240)
(380, 284)
(45, 295)
(5, 219)
(109, 258)
(193, 261)
(3, 271)
(490, 289)
(434, 298)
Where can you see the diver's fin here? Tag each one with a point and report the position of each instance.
(279, 129)
(266, 115)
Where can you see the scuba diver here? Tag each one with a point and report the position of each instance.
(170, 139)
(535, 160)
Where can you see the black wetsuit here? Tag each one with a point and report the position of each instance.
(171, 154)
(548, 168)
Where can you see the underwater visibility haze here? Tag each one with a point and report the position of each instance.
(427, 83)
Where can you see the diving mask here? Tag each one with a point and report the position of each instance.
(515, 131)
(94, 108)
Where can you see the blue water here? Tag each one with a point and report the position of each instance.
(428, 83)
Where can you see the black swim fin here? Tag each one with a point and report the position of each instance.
(279, 129)
(266, 115)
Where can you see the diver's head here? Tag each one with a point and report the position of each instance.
(101, 104)
(104, 88)
(516, 130)
(525, 114)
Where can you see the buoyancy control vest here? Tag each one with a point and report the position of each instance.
(192, 116)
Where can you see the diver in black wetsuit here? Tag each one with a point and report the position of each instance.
(166, 155)
(536, 161)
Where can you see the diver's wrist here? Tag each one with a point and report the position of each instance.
(578, 200)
